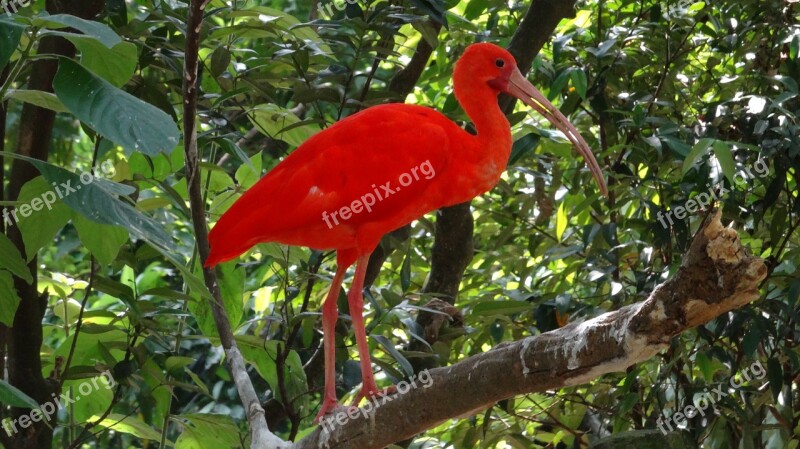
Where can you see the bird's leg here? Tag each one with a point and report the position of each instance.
(355, 299)
(329, 316)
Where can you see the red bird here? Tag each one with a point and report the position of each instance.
(378, 170)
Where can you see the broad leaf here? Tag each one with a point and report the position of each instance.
(11, 260)
(39, 98)
(119, 116)
(39, 225)
(104, 241)
(10, 395)
(262, 354)
(231, 284)
(10, 34)
(280, 123)
(116, 65)
(130, 425)
(96, 30)
(698, 150)
(209, 432)
(98, 201)
(723, 153)
(491, 308)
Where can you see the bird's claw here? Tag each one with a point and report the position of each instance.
(369, 393)
(330, 408)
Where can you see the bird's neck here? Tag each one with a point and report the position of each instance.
(493, 139)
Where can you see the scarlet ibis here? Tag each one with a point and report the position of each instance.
(378, 170)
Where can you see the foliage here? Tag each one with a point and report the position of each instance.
(676, 98)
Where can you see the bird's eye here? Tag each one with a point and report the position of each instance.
(499, 63)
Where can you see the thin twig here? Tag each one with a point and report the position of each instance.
(92, 268)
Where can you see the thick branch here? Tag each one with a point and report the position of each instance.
(261, 437)
(716, 276)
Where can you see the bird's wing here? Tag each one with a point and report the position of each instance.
(387, 155)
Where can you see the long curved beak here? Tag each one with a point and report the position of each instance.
(521, 88)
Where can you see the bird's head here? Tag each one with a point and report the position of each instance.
(488, 64)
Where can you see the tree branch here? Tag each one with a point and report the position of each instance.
(261, 437)
(716, 276)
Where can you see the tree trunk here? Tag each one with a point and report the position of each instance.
(25, 339)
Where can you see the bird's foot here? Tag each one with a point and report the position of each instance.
(369, 392)
(330, 407)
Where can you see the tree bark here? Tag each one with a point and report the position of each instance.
(716, 276)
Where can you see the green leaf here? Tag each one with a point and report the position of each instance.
(104, 241)
(38, 227)
(247, 174)
(10, 395)
(775, 376)
(209, 432)
(39, 98)
(523, 146)
(97, 200)
(278, 123)
(9, 300)
(287, 22)
(130, 425)
(262, 354)
(88, 350)
(723, 153)
(405, 272)
(11, 260)
(220, 60)
(705, 365)
(561, 221)
(119, 116)
(698, 150)
(94, 404)
(231, 283)
(96, 30)
(404, 363)
(491, 308)
(580, 82)
(115, 65)
(10, 34)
